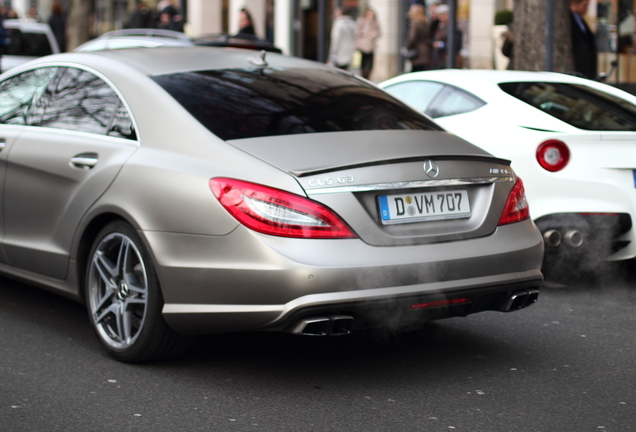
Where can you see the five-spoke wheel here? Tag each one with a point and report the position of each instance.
(124, 300)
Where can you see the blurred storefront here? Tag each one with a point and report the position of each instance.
(302, 27)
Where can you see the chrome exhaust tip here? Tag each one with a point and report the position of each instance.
(521, 300)
(573, 238)
(341, 325)
(552, 238)
(324, 326)
(312, 327)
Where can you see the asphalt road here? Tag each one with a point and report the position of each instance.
(567, 363)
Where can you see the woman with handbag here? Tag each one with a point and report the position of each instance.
(418, 44)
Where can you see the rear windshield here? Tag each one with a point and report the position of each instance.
(256, 102)
(27, 44)
(580, 106)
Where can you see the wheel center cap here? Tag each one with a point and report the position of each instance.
(122, 290)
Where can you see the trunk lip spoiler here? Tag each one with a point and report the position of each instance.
(409, 185)
(480, 158)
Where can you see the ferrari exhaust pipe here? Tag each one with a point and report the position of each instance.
(573, 238)
(552, 238)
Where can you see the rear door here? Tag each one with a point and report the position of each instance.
(16, 94)
(77, 137)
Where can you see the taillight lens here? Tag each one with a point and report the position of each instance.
(553, 155)
(276, 212)
(516, 208)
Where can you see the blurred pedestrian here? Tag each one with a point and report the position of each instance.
(440, 39)
(57, 22)
(418, 42)
(246, 24)
(165, 20)
(367, 32)
(508, 46)
(141, 17)
(343, 39)
(583, 40)
(33, 14)
(169, 19)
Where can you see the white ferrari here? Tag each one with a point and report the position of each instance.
(572, 140)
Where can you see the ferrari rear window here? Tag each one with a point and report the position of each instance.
(256, 102)
(578, 105)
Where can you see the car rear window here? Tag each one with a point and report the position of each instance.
(578, 105)
(27, 44)
(255, 102)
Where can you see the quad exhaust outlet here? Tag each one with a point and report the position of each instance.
(324, 326)
(520, 300)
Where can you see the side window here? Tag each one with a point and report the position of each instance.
(452, 100)
(27, 44)
(17, 92)
(79, 101)
(122, 126)
(418, 94)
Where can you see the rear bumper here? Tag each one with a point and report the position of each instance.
(396, 307)
(248, 281)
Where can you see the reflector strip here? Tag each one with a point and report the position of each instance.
(438, 303)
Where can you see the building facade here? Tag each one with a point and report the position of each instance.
(301, 27)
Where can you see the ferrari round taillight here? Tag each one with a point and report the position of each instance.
(553, 155)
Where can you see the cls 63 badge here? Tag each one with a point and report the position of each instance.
(329, 181)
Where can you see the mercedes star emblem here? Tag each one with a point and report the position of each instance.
(430, 168)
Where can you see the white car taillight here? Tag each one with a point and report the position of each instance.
(276, 212)
(553, 155)
(516, 208)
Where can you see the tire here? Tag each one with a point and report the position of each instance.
(124, 300)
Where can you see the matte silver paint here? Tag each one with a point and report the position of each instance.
(215, 274)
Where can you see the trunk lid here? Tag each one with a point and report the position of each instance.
(396, 187)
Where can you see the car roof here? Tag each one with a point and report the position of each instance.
(237, 41)
(130, 42)
(147, 32)
(482, 83)
(26, 25)
(167, 60)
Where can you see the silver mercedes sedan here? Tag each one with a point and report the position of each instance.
(189, 190)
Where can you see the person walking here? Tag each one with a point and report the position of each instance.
(367, 32)
(57, 22)
(418, 38)
(343, 39)
(583, 40)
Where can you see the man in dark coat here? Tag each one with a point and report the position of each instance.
(583, 40)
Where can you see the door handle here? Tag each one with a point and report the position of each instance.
(84, 161)
(2, 144)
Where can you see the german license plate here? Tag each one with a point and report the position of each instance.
(424, 206)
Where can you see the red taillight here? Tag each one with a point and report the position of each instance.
(276, 212)
(516, 208)
(553, 155)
